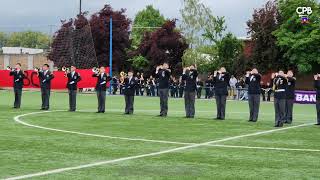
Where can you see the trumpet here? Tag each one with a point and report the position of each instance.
(10, 68)
(65, 69)
(95, 70)
(36, 69)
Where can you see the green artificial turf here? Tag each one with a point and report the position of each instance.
(27, 150)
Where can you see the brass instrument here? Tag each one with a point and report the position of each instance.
(123, 75)
(95, 70)
(65, 70)
(10, 68)
(37, 69)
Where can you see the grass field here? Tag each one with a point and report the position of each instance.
(86, 145)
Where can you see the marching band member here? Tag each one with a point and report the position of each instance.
(289, 97)
(279, 84)
(45, 77)
(130, 84)
(18, 77)
(317, 87)
(190, 75)
(253, 80)
(199, 88)
(221, 82)
(101, 87)
(72, 85)
(163, 73)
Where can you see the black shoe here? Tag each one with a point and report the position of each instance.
(250, 120)
(187, 117)
(217, 118)
(98, 112)
(160, 115)
(318, 124)
(126, 113)
(102, 112)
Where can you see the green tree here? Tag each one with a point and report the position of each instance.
(229, 50)
(147, 20)
(199, 25)
(29, 39)
(3, 39)
(299, 42)
(139, 62)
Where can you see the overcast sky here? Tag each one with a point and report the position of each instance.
(18, 15)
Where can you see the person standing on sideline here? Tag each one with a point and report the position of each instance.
(221, 82)
(18, 77)
(190, 75)
(163, 73)
(101, 87)
(45, 77)
(317, 87)
(279, 82)
(72, 85)
(290, 97)
(199, 88)
(232, 82)
(253, 80)
(130, 84)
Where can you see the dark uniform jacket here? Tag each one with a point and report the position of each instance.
(190, 77)
(290, 88)
(253, 82)
(199, 84)
(17, 79)
(317, 87)
(45, 78)
(73, 80)
(102, 81)
(163, 78)
(280, 84)
(221, 83)
(129, 86)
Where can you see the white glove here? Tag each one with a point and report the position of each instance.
(72, 82)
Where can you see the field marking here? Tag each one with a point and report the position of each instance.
(60, 170)
(264, 148)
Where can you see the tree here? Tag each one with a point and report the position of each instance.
(266, 54)
(199, 25)
(147, 20)
(101, 35)
(139, 62)
(204, 56)
(3, 39)
(300, 43)
(164, 45)
(29, 39)
(229, 49)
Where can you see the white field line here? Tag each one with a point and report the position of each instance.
(264, 148)
(56, 171)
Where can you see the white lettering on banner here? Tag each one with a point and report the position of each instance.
(306, 98)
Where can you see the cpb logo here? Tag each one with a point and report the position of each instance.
(304, 11)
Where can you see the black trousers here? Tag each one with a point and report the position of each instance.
(45, 95)
(129, 104)
(72, 100)
(318, 111)
(101, 95)
(221, 101)
(189, 101)
(254, 106)
(17, 97)
(280, 110)
(289, 111)
(163, 93)
(199, 92)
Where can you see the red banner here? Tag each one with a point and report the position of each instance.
(59, 81)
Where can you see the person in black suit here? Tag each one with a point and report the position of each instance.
(199, 88)
(290, 95)
(221, 82)
(45, 77)
(101, 87)
(163, 74)
(190, 75)
(72, 85)
(18, 77)
(279, 82)
(317, 87)
(130, 84)
(253, 79)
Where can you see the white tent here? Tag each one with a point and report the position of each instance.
(20, 50)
